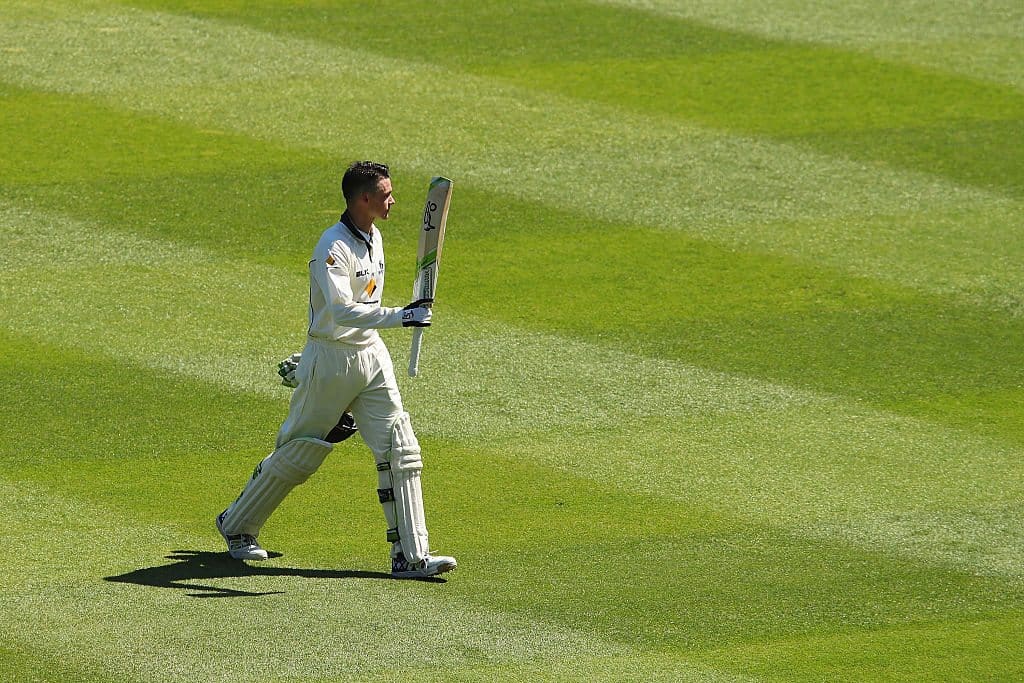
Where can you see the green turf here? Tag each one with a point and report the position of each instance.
(726, 378)
(840, 100)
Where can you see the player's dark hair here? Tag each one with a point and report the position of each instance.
(362, 176)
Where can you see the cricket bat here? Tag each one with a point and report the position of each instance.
(428, 256)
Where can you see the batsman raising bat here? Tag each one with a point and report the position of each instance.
(344, 377)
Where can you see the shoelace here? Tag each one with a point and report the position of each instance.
(243, 540)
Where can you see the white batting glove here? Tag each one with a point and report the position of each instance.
(417, 314)
(286, 369)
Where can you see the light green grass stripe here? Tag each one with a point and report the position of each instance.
(317, 629)
(148, 301)
(885, 481)
(632, 668)
(482, 132)
(977, 39)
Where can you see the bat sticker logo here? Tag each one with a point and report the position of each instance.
(427, 215)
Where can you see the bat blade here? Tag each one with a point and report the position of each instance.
(428, 255)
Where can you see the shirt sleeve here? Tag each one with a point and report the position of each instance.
(332, 275)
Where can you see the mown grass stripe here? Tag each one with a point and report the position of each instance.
(979, 40)
(688, 179)
(841, 101)
(842, 105)
(976, 648)
(659, 668)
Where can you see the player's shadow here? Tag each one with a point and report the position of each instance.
(194, 565)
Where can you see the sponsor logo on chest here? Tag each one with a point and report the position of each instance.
(372, 282)
(367, 272)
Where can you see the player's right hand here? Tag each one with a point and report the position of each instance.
(286, 369)
(417, 314)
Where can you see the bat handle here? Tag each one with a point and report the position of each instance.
(414, 352)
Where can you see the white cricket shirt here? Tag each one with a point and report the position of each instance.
(346, 286)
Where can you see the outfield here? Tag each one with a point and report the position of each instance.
(726, 381)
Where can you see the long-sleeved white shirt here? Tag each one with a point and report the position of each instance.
(346, 286)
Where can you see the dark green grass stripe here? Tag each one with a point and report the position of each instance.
(972, 151)
(476, 34)
(82, 408)
(837, 101)
(52, 138)
(968, 650)
(841, 103)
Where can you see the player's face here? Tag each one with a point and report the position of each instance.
(382, 200)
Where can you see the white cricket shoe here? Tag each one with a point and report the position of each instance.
(241, 546)
(431, 565)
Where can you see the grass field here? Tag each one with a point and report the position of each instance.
(726, 381)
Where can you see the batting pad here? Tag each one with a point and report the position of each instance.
(400, 492)
(272, 481)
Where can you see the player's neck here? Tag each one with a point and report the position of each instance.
(361, 221)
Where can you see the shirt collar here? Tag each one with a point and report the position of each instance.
(347, 221)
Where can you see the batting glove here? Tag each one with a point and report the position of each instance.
(286, 369)
(417, 314)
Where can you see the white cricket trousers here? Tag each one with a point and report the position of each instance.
(334, 377)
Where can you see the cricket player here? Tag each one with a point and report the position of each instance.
(345, 372)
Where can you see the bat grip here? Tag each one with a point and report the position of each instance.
(414, 352)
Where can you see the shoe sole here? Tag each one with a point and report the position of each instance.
(442, 569)
(252, 558)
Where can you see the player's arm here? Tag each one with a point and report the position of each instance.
(332, 277)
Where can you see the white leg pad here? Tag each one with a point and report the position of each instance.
(400, 492)
(274, 478)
